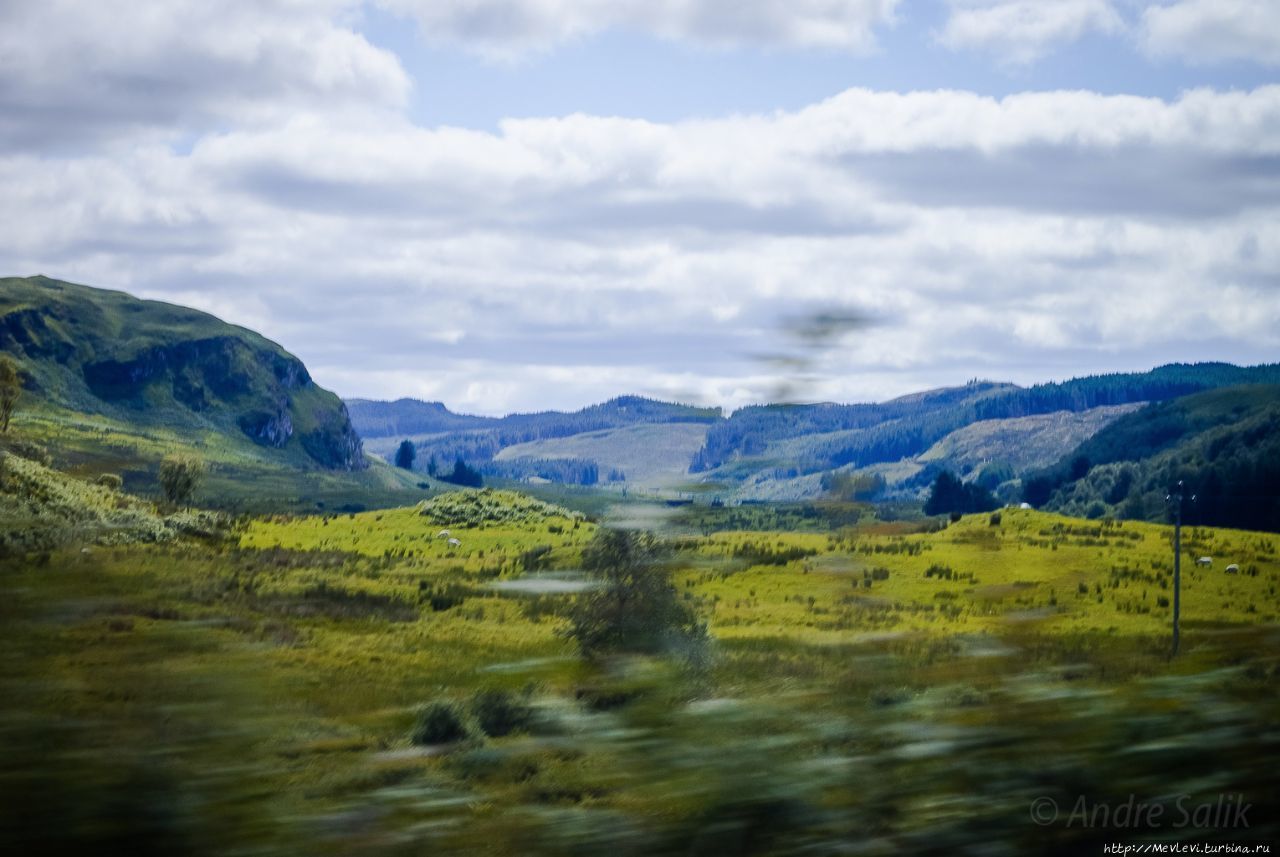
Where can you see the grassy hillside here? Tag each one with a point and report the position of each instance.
(262, 695)
(113, 384)
(151, 365)
(42, 509)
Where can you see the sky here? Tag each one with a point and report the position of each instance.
(515, 205)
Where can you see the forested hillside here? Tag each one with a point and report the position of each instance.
(1223, 444)
(405, 417)
(860, 435)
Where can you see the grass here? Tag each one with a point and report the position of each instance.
(241, 477)
(261, 694)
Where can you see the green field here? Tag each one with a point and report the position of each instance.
(876, 687)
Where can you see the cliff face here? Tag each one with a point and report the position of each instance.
(95, 350)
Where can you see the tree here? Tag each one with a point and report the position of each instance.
(634, 608)
(950, 495)
(10, 390)
(468, 477)
(180, 473)
(405, 455)
(432, 466)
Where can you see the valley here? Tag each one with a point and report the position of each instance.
(656, 628)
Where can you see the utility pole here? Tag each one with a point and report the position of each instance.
(1176, 497)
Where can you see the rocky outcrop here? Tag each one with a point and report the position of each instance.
(158, 364)
(198, 370)
(334, 443)
(269, 429)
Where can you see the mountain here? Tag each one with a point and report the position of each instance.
(984, 430)
(406, 417)
(1019, 444)
(149, 363)
(583, 447)
(778, 451)
(1223, 444)
(113, 384)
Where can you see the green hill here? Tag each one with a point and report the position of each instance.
(152, 364)
(1223, 444)
(113, 383)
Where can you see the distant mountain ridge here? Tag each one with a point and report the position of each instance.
(860, 435)
(984, 428)
(143, 362)
(373, 419)
(404, 417)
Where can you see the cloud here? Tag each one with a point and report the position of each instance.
(260, 162)
(560, 260)
(1019, 32)
(1209, 31)
(507, 29)
(76, 75)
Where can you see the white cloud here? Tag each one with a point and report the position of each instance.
(77, 74)
(258, 162)
(506, 29)
(1207, 31)
(1019, 32)
(557, 261)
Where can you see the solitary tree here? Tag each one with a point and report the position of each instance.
(405, 455)
(10, 390)
(179, 475)
(634, 607)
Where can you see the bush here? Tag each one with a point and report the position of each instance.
(500, 712)
(30, 451)
(110, 480)
(635, 608)
(179, 476)
(439, 723)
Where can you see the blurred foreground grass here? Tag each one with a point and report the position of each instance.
(867, 690)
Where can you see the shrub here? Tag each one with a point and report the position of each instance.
(535, 558)
(10, 390)
(500, 712)
(110, 480)
(439, 723)
(179, 476)
(635, 608)
(30, 451)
